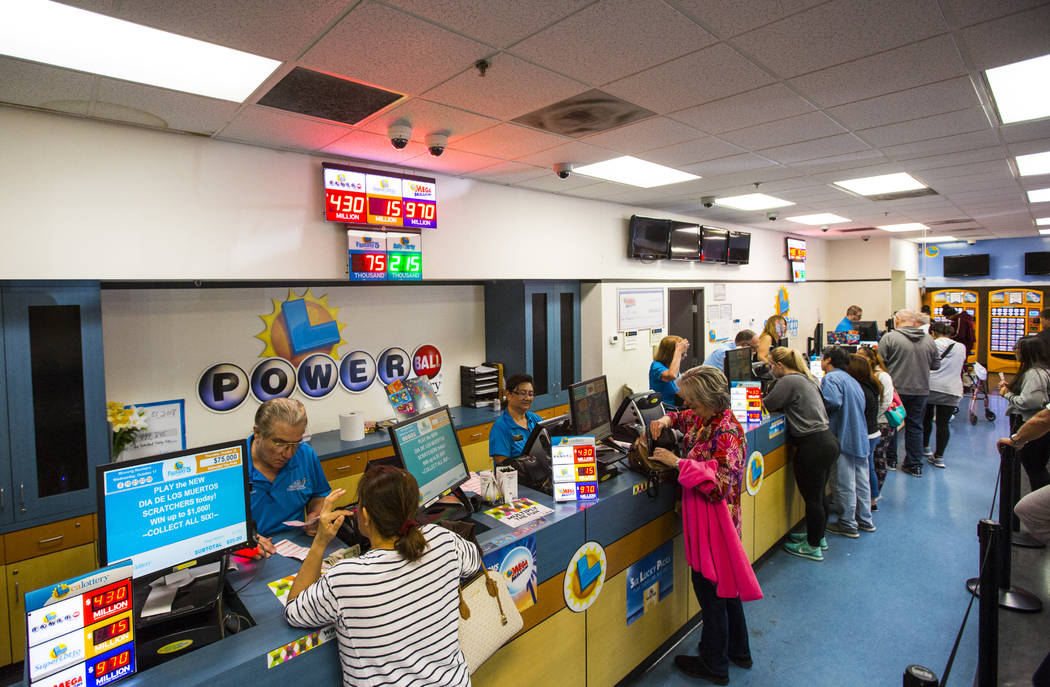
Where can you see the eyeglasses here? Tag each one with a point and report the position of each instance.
(282, 445)
(525, 394)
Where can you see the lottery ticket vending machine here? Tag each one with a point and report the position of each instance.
(1012, 313)
(960, 299)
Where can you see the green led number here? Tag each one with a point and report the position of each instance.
(395, 262)
(415, 263)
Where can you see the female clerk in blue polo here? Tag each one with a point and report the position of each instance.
(665, 368)
(511, 429)
(285, 473)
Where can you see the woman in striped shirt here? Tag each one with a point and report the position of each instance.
(395, 608)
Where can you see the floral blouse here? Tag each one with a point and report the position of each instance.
(719, 438)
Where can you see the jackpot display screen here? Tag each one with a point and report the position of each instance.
(370, 197)
(374, 255)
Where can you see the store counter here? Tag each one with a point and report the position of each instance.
(595, 647)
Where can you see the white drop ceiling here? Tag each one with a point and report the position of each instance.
(791, 95)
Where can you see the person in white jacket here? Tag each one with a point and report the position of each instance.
(945, 391)
(1027, 394)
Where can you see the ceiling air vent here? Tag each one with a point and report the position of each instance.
(900, 195)
(307, 92)
(584, 114)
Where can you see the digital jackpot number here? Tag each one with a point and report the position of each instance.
(108, 665)
(588, 490)
(584, 451)
(114, 629)
(107, 601)
(368, 262)
(415, 210)
(405, 265)
(344, 206)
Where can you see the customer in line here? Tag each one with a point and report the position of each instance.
(945, 391)
(963, 324)
(887, 432)
(665, 367)
(712, 471)
(860, 370)
(1044, 326)
(844, 401)
(396, 607)
(1027, 393)
(744, 338)
(910, 354)
(773, 331)
(796, 393)
(512, 428)
(854, 314)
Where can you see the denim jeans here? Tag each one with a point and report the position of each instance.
(873, 480)
(915, 406)
(852, 491)
(725, 629)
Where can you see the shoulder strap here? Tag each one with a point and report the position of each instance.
(948, 349)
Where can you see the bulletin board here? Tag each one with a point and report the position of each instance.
(639, 309)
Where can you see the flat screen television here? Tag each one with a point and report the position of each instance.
(649, 238)
(685, 241)
(713, 244)
(796, 250)
(738, 251)
(1037, 263)
(975, 265)
(428, 447)
(798, 272)
(589, 408)
(163, 511)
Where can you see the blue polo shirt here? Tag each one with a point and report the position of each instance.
(507, 437)
(718, 356)
(845, 325)
(300, 480)
(667, 390)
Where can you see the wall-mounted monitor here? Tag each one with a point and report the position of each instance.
(371, 197)
(738, 250)
(1037, 263)
(713, 244)
(975, 265)
(796, 250)
(798, 272)
(648, 238)
(685, 241)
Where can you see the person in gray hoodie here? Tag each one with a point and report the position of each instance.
(910, 354)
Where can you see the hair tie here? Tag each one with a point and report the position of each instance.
(408, 524)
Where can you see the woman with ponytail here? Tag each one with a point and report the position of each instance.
(396, 607)
(796, 393)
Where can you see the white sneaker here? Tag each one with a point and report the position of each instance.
(927, 451)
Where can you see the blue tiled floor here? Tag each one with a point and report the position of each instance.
(894, 597)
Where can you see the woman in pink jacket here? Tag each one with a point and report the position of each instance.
(711, 473)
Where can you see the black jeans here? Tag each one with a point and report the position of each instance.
(815, 457)
(943, 415)
(725, 630)
(1033, 456)
(915, 406)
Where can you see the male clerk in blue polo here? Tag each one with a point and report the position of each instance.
(717, 357)
(854, 314)
(511, 429)
(285, 473)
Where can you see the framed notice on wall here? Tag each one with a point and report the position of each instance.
(639, 309)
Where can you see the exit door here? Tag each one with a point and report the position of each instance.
(685, 316)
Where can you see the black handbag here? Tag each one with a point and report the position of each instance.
(654, 472)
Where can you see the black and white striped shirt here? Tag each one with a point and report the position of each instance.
(397, 622)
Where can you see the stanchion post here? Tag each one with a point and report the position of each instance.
(990, 534)
(1010, 597)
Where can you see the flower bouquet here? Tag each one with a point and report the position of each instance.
(126, 423)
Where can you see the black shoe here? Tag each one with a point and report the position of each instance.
(742, 662)
(694, 666)
(913, 470)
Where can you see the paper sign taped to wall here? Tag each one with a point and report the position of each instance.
(165, 430)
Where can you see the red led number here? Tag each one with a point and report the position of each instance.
(393, 208)
(376, 262)
(420, 210)
(108, 666)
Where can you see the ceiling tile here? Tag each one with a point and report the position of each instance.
(575, 152)
(178, 111)
(510, 173)
(361, 145)
(967, 12)
(840, 31)
(913, 65)
(935, 160)
(552, 183)
(728, 165)
(613, 38)
(804, 127)
(1026, 131)
(747, 109)
(39, 85)
(691, 152)
(727, 18)
(267, 127)
(455, 162)
(511, 87)
(1011, 39)
(509, 141)
(946, 96)
(496, 22)
(654, 132)
(427, 117)
(946, 144)
(960, 122)
(944, 173)
(359, 48)
(717, 71)
(820, 148)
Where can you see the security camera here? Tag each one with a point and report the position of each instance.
(970, 242)
(562, 169)
(707, 201)
(436, 144)
(865, 238)
(399, 135)
(824, 228)
(772, 216)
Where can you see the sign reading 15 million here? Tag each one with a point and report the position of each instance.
(368, 197)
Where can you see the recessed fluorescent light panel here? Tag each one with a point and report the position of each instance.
(909, 226)
(934, 239)
(1020, 90)
(1042, 221)
(1036, 163)
(881, 185)
(753, 201)
(634, 172)
(1039, 195)
(1044, 232)
(818, 219)
(68, 37)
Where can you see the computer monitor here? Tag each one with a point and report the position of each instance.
(783, 343)
(162, 511)
(737, 365)
(815, 344)
(867, 329)
(539, 441)
(428, 447)
(589, 408)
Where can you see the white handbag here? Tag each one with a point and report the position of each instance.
(488, 617)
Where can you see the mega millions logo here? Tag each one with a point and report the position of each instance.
(300, 326)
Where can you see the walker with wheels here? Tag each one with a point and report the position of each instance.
(975, 382)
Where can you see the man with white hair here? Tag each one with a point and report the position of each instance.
(910, 354)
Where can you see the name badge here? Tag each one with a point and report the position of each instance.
(517, 437)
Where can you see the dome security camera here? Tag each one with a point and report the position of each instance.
(436, 144)
(772, 215)
(865, 238)
(399, 135)
(824, 228)
(707, 201)
(562, 169)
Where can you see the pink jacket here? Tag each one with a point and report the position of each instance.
(712, 545)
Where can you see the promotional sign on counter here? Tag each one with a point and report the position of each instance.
(517, 562)
(650, 581)
(575, 469)
(746, 401)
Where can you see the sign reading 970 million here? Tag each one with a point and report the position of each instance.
(369, 197)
